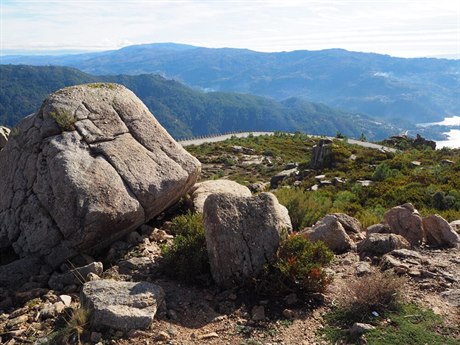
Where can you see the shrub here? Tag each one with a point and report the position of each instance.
(64, 119)
(187, 258)
(299, 268)
(305, 208)
(379, 292)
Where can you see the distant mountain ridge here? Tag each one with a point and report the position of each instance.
(385, 87)
(183, 111)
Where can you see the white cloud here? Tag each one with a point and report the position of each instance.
(396, 27)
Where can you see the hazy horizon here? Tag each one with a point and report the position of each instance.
(422, 28)
(60, 52)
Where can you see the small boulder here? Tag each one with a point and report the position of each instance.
(4, 134)
(200, 191)
(121, 305)
(359, 329)
(242, 234)
(378, 229)
(438, 232)
(278, 178)
(76, 276)
(405, 220)
(379, 244)
(332, 233)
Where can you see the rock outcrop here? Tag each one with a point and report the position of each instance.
(405, 220)
(4, 134)
(438, 232)
(200, 191)
(321, 156)
(330, 230)
(242, 234)
(121, 305)
(89, 167)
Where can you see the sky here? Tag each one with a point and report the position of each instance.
(405, 28)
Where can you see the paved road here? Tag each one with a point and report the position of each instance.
(246, 134)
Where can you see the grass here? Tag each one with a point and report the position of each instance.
(64, 119)
(410, 325)
(72, 330)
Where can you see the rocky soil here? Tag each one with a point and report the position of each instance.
(210, 315)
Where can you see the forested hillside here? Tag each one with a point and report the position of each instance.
(184, 111)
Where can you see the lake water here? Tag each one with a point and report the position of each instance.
(453, 135)
(452, 142)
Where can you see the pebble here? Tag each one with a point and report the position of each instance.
(209, 335)
(66, 299)
(162, 336)
(288, 314)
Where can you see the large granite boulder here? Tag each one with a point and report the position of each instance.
(121, 305)
(330, 231)
(200, 191)
(242, 234)
(405, 220)
(4, 134)
(438, 232)
(89, 167)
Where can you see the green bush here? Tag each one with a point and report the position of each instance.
(64, 119)
(299, 268)
(187, 258)
(305, 208)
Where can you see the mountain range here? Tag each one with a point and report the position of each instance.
(184, 111)
(405, 91)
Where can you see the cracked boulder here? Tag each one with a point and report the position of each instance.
(89, 167)
(242, 234)
(405, 220)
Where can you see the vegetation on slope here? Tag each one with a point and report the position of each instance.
(183, 111)
(415, 90)
(433, 186)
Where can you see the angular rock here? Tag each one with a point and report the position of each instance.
(359, 329)
(76, 276)
(89, 167)
(379, 244)
(200, 191)
(363, 268)
(378, 229)
(405, 220)
(242, 234)
(121, 305)
(4, 134)
(331, 232)
(438, 232)
(452, 296)
(276, 179)
(350, 224)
